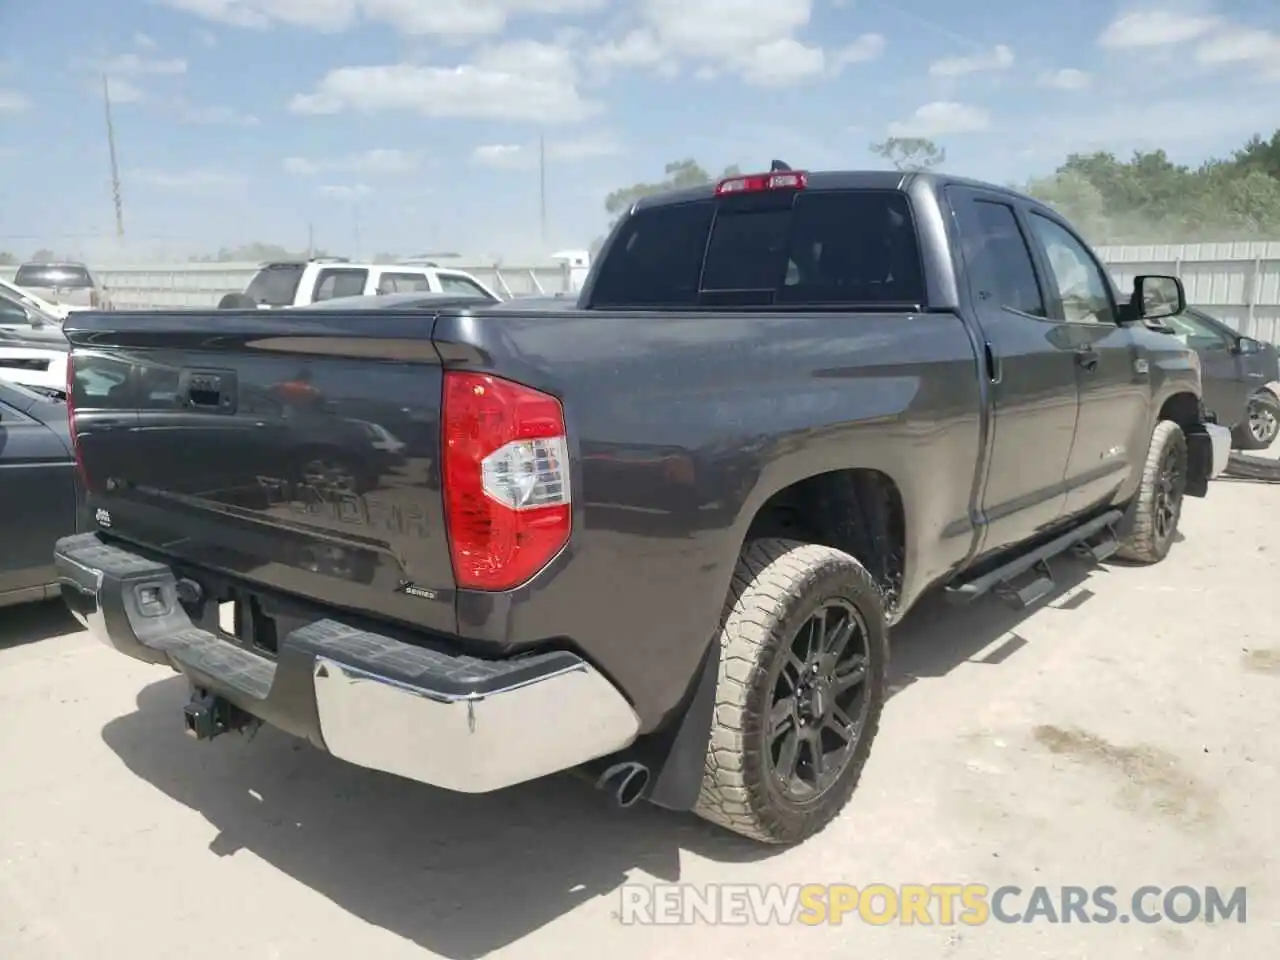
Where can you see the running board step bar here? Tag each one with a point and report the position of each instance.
(1027, 579)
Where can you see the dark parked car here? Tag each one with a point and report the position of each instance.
(38, 491)
(1236, 372)
(659, 535)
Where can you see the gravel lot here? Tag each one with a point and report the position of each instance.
(1125, 734)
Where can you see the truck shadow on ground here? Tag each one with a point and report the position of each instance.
(465, 875)
(33, 622)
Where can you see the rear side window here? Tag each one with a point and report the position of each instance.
(332, 284)
(455, 283)
(853, 247)
(403, 283)
(275, 285)
(997, 257)
(62, 276)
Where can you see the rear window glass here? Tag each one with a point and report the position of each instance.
(829, 247)
(404, 283)
(64, 276)
(275, 285)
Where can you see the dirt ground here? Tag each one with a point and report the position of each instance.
(1124, 734)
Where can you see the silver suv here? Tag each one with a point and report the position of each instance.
(70, 284)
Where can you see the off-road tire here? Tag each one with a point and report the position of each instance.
(1144, 543)
(1242, 437)
(777, 586)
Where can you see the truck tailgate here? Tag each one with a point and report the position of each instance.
(298, 453)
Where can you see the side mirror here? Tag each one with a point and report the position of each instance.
(1156, 297)
(1246, 346)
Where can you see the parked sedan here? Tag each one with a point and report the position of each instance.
(1236, 372)
(39, 497)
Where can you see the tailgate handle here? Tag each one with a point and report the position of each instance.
(212, 390)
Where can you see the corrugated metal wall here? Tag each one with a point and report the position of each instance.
(1238, 282)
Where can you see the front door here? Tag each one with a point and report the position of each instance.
(37, 499)
(1030, 372)
(1113, 428)
(1224, 382)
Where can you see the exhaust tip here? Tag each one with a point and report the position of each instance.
(625, 782)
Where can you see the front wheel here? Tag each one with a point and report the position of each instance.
(803, 657)
(1261, 422)
(1157, 506)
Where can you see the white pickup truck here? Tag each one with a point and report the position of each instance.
(300, 283)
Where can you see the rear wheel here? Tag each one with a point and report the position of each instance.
(1157, 506)
(803, 656)
(1261, 422)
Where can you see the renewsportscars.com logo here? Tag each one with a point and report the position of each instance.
(943, 904)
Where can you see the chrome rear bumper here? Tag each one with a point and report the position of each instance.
(457, 722)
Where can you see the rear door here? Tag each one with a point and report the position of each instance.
(1030, 367)
(1113, 429)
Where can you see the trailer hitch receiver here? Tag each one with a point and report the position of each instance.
(207, 716)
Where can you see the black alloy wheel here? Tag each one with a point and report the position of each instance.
(819, 704)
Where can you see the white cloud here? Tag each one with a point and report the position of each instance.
(524, 156)
(133, 65)
(189, 181)
(941, 118)
(11, 101)
(1067, 78)
(206, 38)
(1236, 44)
(122, 91)
(378, 161)
(868, 46)
(354, 191)
(1154, 28)
(522, 80)
(445, 18)
(503, 156)
(758, 41)
(220, 116)
(1000, 57)
(639, 48)
(145, 41)
(782, 62)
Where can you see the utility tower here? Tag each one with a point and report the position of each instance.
(115, 167)
(542, 187)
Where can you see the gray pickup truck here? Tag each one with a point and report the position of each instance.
(657, 536)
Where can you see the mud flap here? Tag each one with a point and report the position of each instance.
(1199, 461)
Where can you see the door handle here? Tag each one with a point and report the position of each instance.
(1087, 358)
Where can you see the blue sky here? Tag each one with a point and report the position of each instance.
(411, 125)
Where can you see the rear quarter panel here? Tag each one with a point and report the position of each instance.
(683, 427)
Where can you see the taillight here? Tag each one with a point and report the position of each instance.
(508, 508)
(762, 182)
(71, 421)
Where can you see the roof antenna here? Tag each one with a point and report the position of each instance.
(779, 167)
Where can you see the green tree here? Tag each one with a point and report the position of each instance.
(8, 259)
(43, 255)
(676, 175)
(910, 153)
